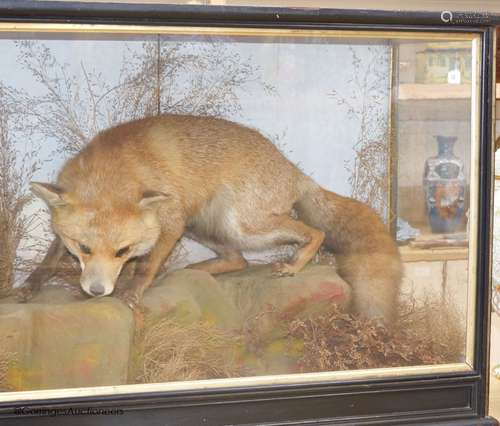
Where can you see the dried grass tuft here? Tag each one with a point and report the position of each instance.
(169, 351)
(339, 341)
(6, 360)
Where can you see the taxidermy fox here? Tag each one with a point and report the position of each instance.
(137, 188)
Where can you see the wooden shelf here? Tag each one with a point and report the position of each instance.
(409, 254)
(434, 91)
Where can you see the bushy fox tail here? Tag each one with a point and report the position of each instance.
(366, 255)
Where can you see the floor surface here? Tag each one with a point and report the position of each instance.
(495, 362)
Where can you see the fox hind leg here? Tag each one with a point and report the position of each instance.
(278, 230)
(308, 238)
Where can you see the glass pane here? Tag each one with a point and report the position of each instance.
(240, 206)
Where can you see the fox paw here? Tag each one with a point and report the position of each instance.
(131, 298)
(282, 269)
(24, 294)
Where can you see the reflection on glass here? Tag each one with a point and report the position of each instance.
(433, 118)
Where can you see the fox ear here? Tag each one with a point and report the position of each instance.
(51, 194)
(152, 198)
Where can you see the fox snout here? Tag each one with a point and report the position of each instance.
(98, 278)
(96, 289)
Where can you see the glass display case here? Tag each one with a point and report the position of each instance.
(243, 215)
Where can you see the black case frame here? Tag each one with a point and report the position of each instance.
(444, 399)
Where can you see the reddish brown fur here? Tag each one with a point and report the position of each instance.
(224, 185)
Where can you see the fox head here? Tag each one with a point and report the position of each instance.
(102, 236)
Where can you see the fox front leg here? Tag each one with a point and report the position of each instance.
(147, 269)
(43, 272)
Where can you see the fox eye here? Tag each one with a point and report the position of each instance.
(85, 249)
(122, 251)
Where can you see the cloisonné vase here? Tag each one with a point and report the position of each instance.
(444, 185)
